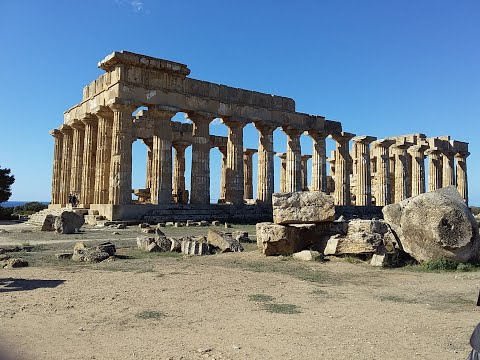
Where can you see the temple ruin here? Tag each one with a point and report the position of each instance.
(93, 150)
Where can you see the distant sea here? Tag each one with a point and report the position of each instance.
(19, 203)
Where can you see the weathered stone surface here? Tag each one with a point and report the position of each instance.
(164, 243)
(435, 224)
(148, 230)
(64, 256)
(153, 247)
(144, 241)
(307, 255)
(241, 236)
(176, 245)
(363, 237)
(107, 247)
(121, 226)
(82, 253)
(225, 242)
(303, 207)
(192, 247)
(274, 239)
(68, 223)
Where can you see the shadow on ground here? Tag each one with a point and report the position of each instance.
(10, 284)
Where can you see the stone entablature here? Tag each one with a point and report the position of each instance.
(93, 147)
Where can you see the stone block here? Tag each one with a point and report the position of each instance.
(68, 223)
(192, 247)
(307, 255)
(144, 241)
(225, 242)
(274, 239)
(303, 207)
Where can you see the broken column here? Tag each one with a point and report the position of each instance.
(363, 173)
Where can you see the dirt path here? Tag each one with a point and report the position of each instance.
(228, 306)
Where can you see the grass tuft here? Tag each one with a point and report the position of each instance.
(260, 298)
(281, 308)
(149, 314)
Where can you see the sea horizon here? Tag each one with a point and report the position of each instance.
(20, 203)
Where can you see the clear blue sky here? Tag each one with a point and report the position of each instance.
(382, 68)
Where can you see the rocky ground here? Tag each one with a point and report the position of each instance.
(225, 306)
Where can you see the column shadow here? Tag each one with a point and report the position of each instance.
(11, 284)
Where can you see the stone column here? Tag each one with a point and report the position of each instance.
(104, 151)
(161, 189)
(265, 173)
(283, 171)
(200, 176)
(223, 176)
(248, 173)
(179, 172)
(418, 168)
(383, 194)
(342, 168)
(89, 159)
(304, 171)
(120, 189)
(402, 170)
(363, 188)
(319, 161)
(462, 180)
(293, 171)
(148, 177)
(67, 132)
(234, 185)
(448, 168)
(77, 157)
(434, 169)
(57, 166)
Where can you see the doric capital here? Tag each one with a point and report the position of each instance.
(282, 156)
(180, 145)
(264, 127)
(434, 152)
(385, 143)
(364, 139)
(122, 107)
(402, 144)
(149, 143)
(162, 112)
(306, 157)
(233, 122)
(249, 152)
(56, 133)
(65, 129)
(417, 150)
(103, 111)
(292, 131)
(317, 134)
(199, 116)
(77, 125)
(342, 137)
(462, 155)
(89, 119)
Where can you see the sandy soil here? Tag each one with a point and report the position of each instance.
(229, 306)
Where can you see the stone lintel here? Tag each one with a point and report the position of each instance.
(402, 144)
(332, 127)
(459, 146)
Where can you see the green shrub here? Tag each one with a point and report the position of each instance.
(6, 213)
(445, 264)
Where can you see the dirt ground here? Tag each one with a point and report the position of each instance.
(226, 306)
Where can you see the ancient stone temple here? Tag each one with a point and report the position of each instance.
(93, 149)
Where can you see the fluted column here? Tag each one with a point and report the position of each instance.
(57, 165)
(161, 189)
(293, 171)
(223, 176)
(234, 180)
(265, 173)
(67, 132)
(148, 176)
(179, 172)
(248, 173)
(120, 189)
(200, 170)
(417, 153)
(89, 159)
(319, 161)
(402, 171)
(283, 171)
(104, 154)
(77, 157)
(383, 194)
(363, 188)
(462, 180)
(342, 168)
(434, 169)
(448, 168)
(304, 171)
(331, 179)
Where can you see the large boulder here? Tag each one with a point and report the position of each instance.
(225, 242)
(302, 207)
(68, 222)
(435, 224)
